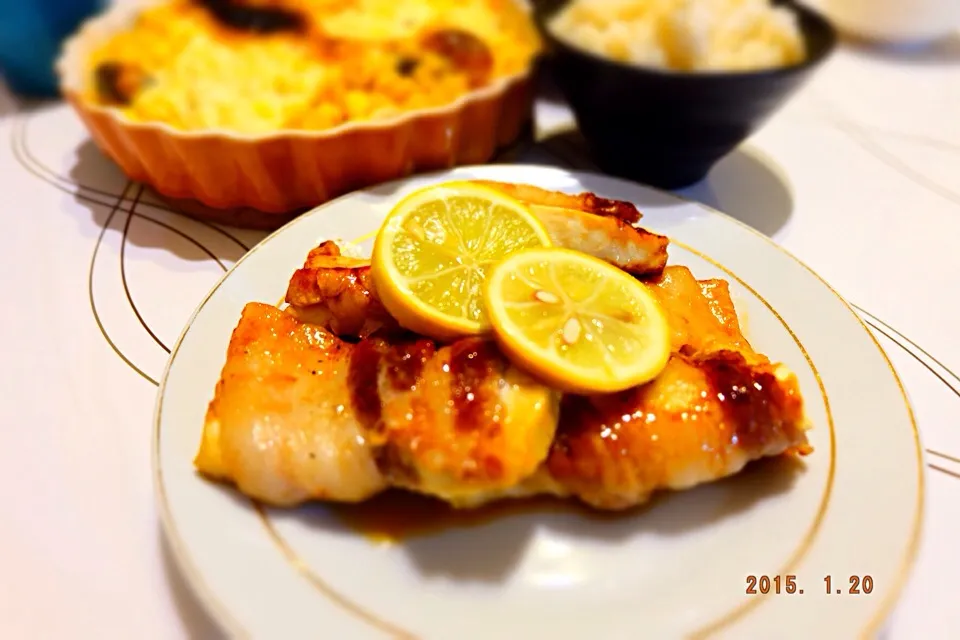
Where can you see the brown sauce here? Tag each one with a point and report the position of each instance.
(755, 402)
(472, 362)
(362, 380)
(396, 515)
(405, 363)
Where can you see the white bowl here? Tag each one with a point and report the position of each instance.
(895, 21)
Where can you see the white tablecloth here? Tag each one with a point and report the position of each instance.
(859, 176)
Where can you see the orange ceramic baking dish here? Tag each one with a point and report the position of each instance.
(262, 180)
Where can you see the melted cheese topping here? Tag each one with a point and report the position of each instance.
(351, 60)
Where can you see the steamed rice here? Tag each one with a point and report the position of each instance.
(684, 35)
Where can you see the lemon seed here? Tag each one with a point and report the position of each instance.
(546, 296)
(571, 330)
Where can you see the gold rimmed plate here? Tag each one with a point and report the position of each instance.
(785, 551)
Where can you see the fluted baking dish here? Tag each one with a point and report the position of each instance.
(263, 179)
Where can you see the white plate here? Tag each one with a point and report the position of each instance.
(680, 568)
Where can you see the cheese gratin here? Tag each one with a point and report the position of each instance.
(256, 66)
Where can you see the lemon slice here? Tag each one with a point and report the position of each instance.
(578, 323)
(434, 250)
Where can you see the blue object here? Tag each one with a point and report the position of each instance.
(31, 33)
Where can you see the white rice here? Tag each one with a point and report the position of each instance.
(684, 35)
